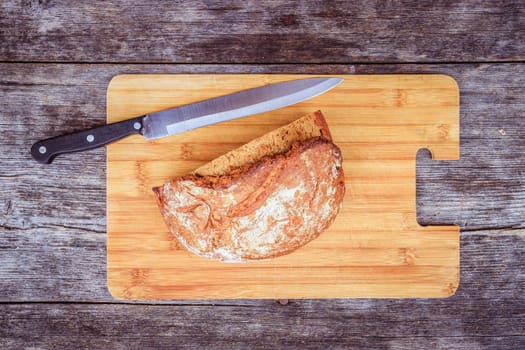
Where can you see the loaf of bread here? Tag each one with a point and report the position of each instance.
(264, 199)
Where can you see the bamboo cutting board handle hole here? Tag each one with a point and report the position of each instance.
(425, 158)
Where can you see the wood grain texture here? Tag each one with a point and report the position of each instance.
(262, 31)
(52, 222)
(51, 216)
(487, 312)
(375, 248)
(53, 230)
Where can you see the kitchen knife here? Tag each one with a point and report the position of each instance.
(176, 120)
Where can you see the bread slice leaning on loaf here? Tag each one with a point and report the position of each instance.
(264, 199)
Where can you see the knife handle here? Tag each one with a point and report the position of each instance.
(45, 151)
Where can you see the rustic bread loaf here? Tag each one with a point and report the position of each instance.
(265, 199)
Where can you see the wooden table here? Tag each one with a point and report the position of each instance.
(56, 60)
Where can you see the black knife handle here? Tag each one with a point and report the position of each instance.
(45, 151)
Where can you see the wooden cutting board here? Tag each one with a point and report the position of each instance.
(375, 248)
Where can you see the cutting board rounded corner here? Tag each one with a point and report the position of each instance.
(115, 292)
(115, 80)
(449, 80)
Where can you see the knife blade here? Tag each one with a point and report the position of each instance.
(179, 119)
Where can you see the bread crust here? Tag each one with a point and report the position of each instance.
(260, 210)
(275, 142)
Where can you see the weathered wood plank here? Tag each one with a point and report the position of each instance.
(53, 217)
(262, 31)
(487, 312)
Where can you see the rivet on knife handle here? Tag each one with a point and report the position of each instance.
(45, 151)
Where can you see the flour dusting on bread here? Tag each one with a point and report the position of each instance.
(268, 207)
